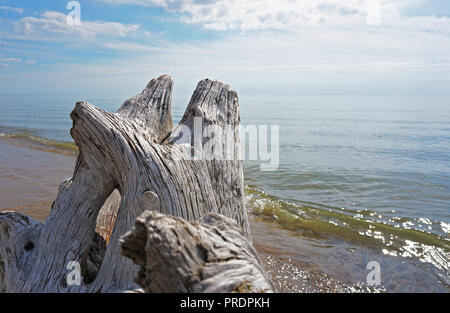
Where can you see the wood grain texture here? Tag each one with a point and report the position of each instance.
(178, 256)
(128, 162)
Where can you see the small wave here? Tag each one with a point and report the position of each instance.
(22, 135)
(325, 222)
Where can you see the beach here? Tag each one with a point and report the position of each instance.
(30, 176)
(360, 179)
(338, 110)
(31, 172)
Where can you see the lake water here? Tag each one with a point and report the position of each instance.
(360, 179)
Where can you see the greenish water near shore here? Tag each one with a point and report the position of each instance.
(63, 146)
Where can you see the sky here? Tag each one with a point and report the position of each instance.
(273, 47)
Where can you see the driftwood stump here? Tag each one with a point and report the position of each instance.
(128, 162)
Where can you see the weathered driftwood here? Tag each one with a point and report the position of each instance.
(179, 256)
(133, 158)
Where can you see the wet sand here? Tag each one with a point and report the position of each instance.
(291, 272)
(30, 175)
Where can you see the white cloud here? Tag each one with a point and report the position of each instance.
(341, 52)
(319, 36)
(12, 9)
(7, 62)
(316, 59)
(246, 15)
(53, 26)
(12, 60)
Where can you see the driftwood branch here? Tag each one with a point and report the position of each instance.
(179, 256)
(128, 162)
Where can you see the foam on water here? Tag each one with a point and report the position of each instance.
(323, 223)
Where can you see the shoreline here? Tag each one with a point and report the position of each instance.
(287, 276)
(296, 262)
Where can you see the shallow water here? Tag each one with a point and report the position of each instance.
(360, 179)
(30, 176)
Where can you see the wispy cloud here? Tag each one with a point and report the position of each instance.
(5, 62)
(53, 25)
(15, 60)
(11, 9)
(336, 48)
(317, 59)
(222, 15)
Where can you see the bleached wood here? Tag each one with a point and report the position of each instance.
(128, 162)
(152, 107)
(179, 256)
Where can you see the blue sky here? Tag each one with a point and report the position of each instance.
(258, 46)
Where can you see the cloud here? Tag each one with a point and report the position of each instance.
(5, 62)
(53, 26)
(317, 59)
(14, 60)
(12, 9)
(334, 54)
(222, 15)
